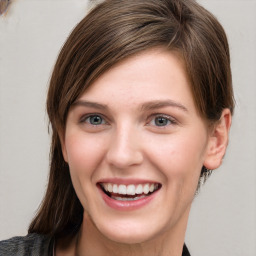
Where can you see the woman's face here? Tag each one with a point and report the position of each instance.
(135, 145)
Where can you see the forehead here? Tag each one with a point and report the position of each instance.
(155, 74)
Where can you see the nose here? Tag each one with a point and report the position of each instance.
(124, 149)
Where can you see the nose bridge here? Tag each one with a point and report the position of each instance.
(124, 149)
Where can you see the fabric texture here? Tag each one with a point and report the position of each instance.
(36, 245)
(30, 245)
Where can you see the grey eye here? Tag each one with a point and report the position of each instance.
(95, 120)
(161, 121)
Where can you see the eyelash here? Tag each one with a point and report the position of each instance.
(84, 118)
(152, 118)
(170, 119)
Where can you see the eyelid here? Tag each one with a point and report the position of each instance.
(168, 117)
(83, 118)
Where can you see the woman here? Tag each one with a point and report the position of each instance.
(140, 104)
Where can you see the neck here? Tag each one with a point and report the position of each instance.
(91, 242)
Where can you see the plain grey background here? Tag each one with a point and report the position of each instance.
(223, 216)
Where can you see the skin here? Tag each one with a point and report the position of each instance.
(129, 143)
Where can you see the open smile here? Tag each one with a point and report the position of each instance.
(128, 197)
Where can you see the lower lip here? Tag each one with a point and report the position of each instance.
(127, 205)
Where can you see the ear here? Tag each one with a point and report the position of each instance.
(218, 141)
(63, 147)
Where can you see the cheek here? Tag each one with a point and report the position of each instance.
(179, 157)
(84, 152)
(84, 156)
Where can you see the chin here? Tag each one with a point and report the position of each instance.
(130, 233)
(128, 238)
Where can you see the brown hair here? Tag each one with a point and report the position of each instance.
(112, 31)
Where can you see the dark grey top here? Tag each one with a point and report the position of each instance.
(30, 245)
(36, 245)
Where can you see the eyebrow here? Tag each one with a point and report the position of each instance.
(147, 106)
(89, 104)
(151, 105)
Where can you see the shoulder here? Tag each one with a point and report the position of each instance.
(32, 244)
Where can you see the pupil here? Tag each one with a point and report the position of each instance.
(161, 121)
(96, 120)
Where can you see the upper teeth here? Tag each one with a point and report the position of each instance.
(129, 189)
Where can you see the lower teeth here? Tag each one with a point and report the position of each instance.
(127, 198)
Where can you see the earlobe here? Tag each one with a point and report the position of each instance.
(218, 141)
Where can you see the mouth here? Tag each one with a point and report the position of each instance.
(131, 192)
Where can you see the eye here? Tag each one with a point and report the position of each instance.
(161, 120)
(93, 120)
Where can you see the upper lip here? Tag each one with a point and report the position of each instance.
(127, 181)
